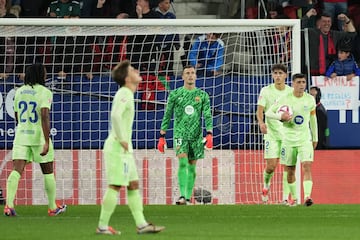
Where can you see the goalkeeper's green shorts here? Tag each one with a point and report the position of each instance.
(193, 148)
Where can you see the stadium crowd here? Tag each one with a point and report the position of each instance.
(330, 22)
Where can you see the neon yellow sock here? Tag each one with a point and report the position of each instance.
(286, 190)
(183, 175)
(307, 185)
(267, 178)
(292, 188)
(190, 180)
(50, 189)
(136, 207)
(108, 207)
(11, 187)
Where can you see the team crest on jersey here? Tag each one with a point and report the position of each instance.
(298, 120)
(197, 99)
(189, 110)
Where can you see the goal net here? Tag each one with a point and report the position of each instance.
(79, 55)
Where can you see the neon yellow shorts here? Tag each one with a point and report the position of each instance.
(290, 154)
(120, 168)
(32, 153)
(272, 149)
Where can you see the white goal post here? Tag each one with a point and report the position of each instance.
(79, 55)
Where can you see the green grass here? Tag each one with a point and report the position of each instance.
(198, 222)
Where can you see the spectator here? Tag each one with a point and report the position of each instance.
(142, 47)
(168, 42)
(4, 6)
(207, 54)
(322, 119)
(110, 50)
(345, 65)
(334, 8)
(34, 8)
(64, 9)
(17, 53)
(112, 9)
(322, 41)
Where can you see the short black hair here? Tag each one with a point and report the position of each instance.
(279, 66)
(298, 75)
(120, 72)
(188, 66)
(35, 74)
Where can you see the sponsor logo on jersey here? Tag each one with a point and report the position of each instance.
(189, 109)
(298, 120)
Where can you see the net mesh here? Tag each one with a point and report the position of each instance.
(79, 56)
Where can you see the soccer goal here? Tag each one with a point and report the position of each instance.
(79, 55)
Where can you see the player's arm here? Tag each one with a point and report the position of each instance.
(116, 119)
(168, 113)
(166, 122)
(208, 122)
(314, 128)
(260, 118)
(45, 124)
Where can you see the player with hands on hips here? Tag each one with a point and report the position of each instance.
(189, 105)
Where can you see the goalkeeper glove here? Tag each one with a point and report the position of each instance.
(161, 144)
(209, 141)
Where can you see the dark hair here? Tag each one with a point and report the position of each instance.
(318, 93)
(188, 66)
(120, 72)
(280, 66)
(298, 75)
(35, 74)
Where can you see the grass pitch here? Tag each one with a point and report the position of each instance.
(218, 222)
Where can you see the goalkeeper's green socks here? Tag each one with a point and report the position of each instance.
(190, 180)
(50, 189)
(183, 175)
(292, 188)
(136, 207)
(267, 178)
(286, 190)
(11, 187)
(107, 207)
(307, 185)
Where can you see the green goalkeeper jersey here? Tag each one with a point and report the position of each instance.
(28, 102)
(268, 96)
(122, 117)
(297, 130)
(188, 107)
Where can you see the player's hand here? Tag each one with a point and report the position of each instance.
(209, 141)
(285, 117)
(125, 145)
(263, 128)
(45, 149)
(161, 145)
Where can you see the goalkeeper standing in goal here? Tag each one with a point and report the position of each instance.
(299, 141)
(32, 143)
(271, 128)
(188, 104)
(118, 154)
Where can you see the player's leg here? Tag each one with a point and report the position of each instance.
(116, 169)
(47, 169)
(20, 155)
(271, 155)
(306, 155)
(135, 202)
(196, 151)
(289, 157)
(181, 152)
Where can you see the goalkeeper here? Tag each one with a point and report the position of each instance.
(188, 104)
